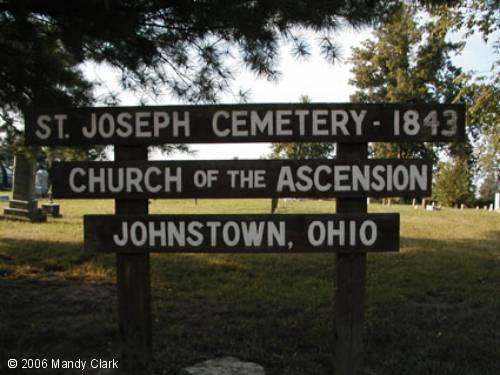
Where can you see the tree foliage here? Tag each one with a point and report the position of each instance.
(303, 150)
(410, 62)
(490, 186)
(189, 49)
(452, 185)
(482, 95)
(186, 46)
(480, 16)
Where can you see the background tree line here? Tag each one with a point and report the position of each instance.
(409, 60)
(191, 49)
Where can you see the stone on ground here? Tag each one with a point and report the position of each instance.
(224, 366)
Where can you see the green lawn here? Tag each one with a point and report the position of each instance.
(433, 308)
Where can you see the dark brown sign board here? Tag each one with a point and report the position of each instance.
(242, 179)
(274, 122)
(132, 234)
(257, 233)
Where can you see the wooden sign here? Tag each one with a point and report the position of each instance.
(242, 179)
(314, 122)
(132, 234)
(241, 233)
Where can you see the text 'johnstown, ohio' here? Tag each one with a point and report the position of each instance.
(242, 233)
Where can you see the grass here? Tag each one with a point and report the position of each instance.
(432, 308)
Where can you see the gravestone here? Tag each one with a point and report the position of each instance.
(497, 201)
(23, 205)
(51, 208)
(432, 207)
(42, 183)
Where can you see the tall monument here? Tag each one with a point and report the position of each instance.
(23, 205)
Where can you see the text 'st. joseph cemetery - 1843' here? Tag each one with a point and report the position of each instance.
(316, 122)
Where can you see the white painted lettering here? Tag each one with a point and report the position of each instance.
(339, 121)
(147, 179)
(72, 175)
(341, 175)
(43, 131)
(366, 239)
(258, 125)
(358, 120)
(138, 233)
(161, 120)
(318, 122)
(124, 128)
(238, 122)
(215, 124)
(184, 124)
(282, 121)
(157, 234)
(195, 237)
(285, 180)
(231, 239)
(316, 233)
(133, 180)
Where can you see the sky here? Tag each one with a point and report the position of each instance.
(314, 77)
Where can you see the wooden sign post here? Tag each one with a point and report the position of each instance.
(350, 283)
(133, 285)
(132, 234)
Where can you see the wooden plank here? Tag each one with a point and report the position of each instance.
(350, 282)
(242, 179)
(257, 233)
(133, 284)
(274, 122)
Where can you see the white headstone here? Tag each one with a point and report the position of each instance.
(497, 201)
(432, 207)
(42, 183)
(491, 207)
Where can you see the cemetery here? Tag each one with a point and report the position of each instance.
(431, 297)
(215, 227)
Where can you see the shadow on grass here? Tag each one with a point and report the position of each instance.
(431, 309)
